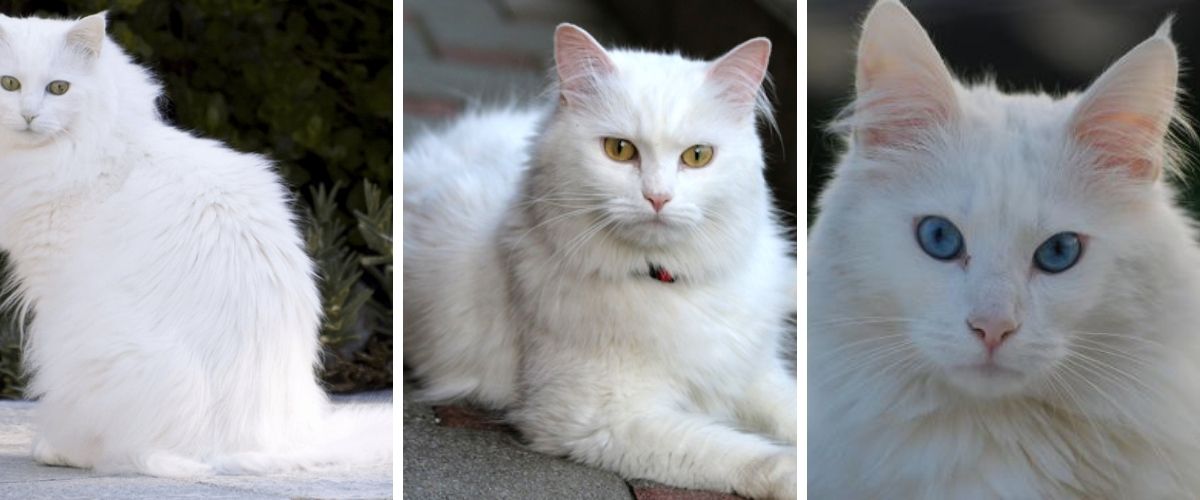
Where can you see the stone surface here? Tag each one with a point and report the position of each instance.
(650, 490)
(467, 461)
(21, 477)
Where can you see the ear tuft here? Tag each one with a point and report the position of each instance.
(579, 60)
(88, 34)
(741, 71)
(1124, 116)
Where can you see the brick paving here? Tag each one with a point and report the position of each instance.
(457, 54)
(466, 52)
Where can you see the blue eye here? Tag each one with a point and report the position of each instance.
(1058, 253)
(939, 238)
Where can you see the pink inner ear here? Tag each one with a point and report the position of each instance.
(741, 70)
(1125, 140)
(897, 116)
(579, 60)
(1124, 116)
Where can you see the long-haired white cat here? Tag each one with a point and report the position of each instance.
(609, 271)
(174, 309)
(1003, 294)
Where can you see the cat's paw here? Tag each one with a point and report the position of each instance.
(772, 478)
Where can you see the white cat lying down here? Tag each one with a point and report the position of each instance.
(609, 271)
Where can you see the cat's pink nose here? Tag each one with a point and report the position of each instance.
(992, 330)
(657, 200)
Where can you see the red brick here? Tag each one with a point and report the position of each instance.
(432, 107)
(659, 492)
(462, 417)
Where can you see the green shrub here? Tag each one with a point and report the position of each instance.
(310, 85)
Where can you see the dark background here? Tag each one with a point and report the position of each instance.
(308, 84)
(463, 54)
(708, 29)
(1055, 45)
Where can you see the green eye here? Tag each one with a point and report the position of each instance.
(9, 83)
(58, 87)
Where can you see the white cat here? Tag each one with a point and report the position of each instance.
(174, 309)
(1002, 294)
(609, 271)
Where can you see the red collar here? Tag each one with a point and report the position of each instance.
(661, 273)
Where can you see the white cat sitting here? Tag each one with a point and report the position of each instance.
(1003, 294)
(175, 313)
(609, 271)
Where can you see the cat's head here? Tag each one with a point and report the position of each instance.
(1001, 235)
(49, 76)
(653, 145)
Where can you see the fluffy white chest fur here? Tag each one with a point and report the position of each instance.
(532, 242)
(174, 310)
(1001, 289)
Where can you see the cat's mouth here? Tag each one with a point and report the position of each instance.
(988, 369)
(987, 379)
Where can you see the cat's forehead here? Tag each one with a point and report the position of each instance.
(1008, 168)
(32, 31)
(1010, 137)
(651, 67)
(32, 47)
(664, 94)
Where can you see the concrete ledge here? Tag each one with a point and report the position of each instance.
(22, 478)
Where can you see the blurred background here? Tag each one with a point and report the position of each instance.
(459, 53)
(308, 84)
(1056, 46)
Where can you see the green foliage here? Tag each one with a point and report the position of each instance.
(347, 290)
(309, 84)
(12, 379)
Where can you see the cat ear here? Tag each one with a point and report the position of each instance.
(1123, 117)
(88, 34)
(741, 71)
(579, 60)
(903, 87)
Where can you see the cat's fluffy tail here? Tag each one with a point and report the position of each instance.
(351, 436)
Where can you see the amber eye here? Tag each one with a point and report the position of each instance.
(9, 83)
(697, 156)
(619, 149)
(58, 87)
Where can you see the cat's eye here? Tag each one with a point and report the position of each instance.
(619, 149)
(939, 238)
(1058, 253)
(58, 87)
(697, 156)
(9, 83)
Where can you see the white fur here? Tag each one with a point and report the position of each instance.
(526, 280)
(1097, 394)
(174, 309)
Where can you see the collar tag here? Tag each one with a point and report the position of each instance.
(661, 274)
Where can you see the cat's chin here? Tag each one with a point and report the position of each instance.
(986, 380)
(26, 138)
(652, 233)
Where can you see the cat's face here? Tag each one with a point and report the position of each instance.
(45, 75)
(995, 249)
(654, 145)
(994, 234)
